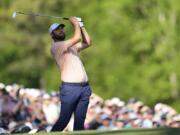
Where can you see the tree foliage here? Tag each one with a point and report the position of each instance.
(135, 50)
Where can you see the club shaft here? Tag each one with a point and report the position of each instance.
(41, 15)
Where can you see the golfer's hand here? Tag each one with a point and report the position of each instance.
(81, 23)
(79, 19)
(73, 20)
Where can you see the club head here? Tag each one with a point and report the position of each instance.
(40, 15)
(14, 14)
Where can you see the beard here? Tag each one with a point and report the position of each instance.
(58, 36)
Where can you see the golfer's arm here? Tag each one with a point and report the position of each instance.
(76, 37)
(86, 40)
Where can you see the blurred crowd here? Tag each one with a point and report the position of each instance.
(33, 110)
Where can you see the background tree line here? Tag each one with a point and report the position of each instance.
(135, 50)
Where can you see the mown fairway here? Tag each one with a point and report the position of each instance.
(156, 131)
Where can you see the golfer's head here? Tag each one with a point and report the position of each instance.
(57, 32)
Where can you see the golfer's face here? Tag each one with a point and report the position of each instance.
(59, 33)
(60, 30)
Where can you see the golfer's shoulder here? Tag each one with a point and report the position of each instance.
(59, 47)
(60, 43)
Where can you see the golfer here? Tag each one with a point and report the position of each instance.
(75, 90)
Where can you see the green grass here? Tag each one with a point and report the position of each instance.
(153, 131)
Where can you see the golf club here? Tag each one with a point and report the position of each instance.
(15, 13)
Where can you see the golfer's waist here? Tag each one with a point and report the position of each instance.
(75, 83)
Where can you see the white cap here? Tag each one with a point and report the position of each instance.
(116, 101)
(54, 26)
(9, 88)
(2, 86)
(46, 96)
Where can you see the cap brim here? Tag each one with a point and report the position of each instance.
(55, 26)
(61, 25)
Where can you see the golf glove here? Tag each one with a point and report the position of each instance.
(79, 19)
(81, 24)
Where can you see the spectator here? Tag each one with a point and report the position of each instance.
(36, 110)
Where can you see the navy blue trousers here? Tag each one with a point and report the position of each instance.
(74, 99)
